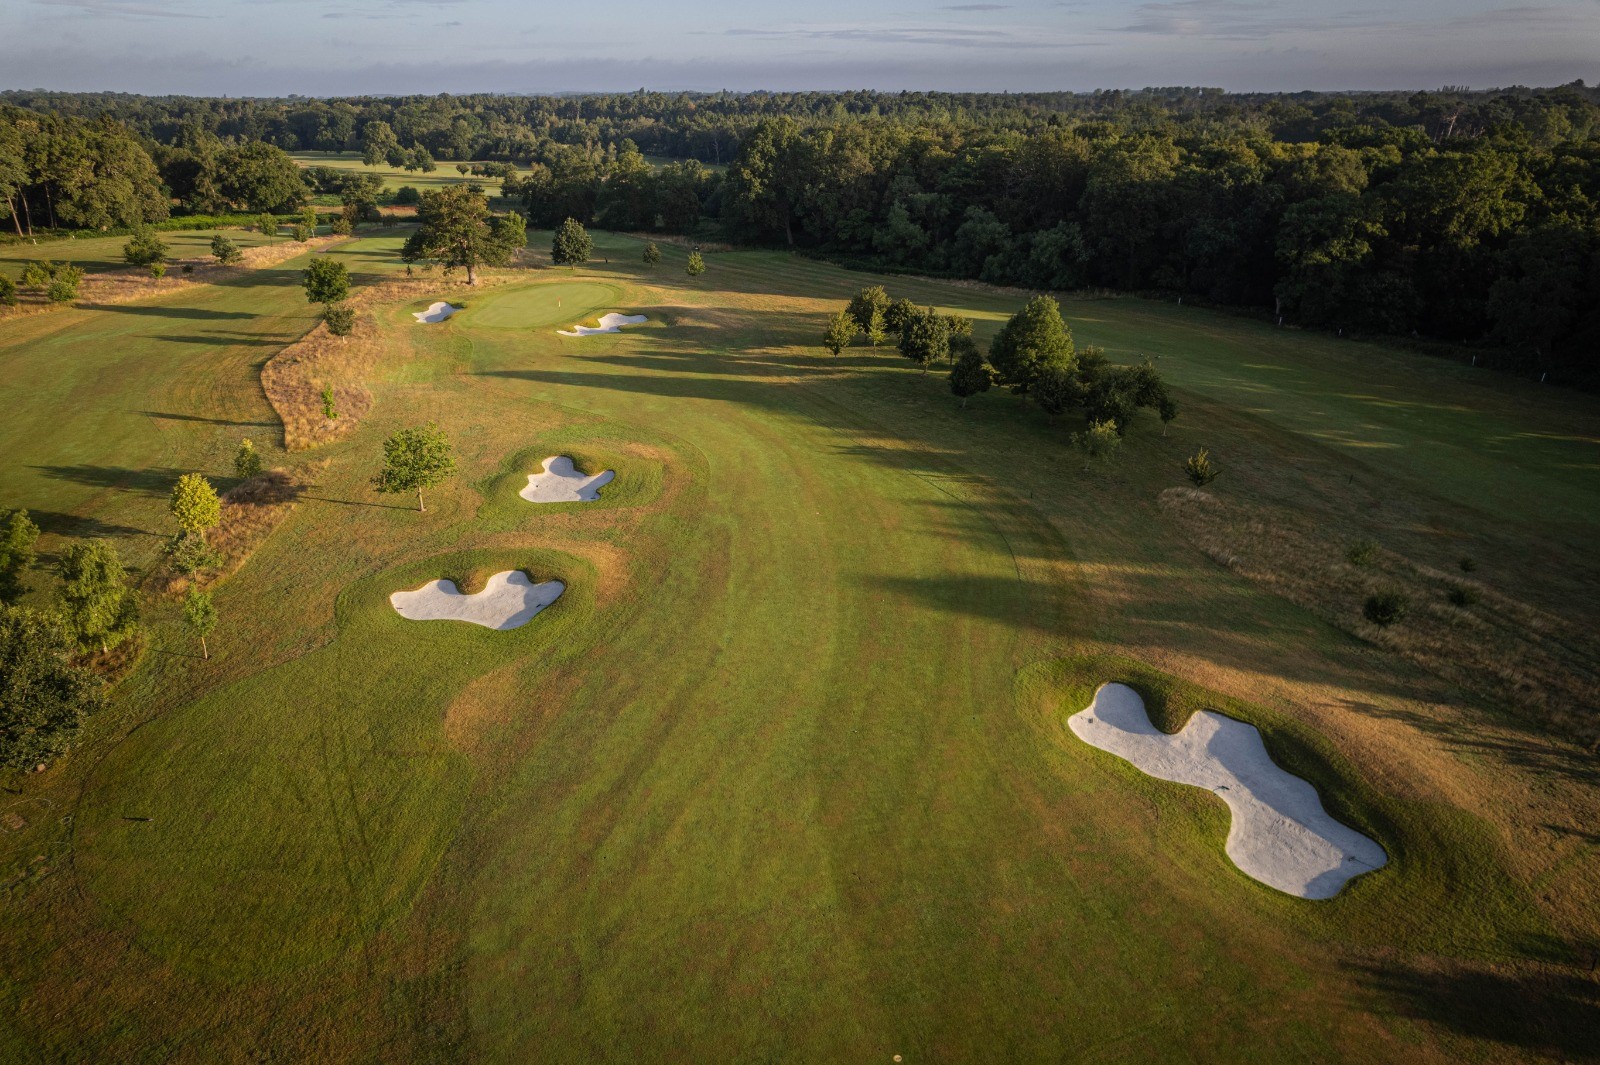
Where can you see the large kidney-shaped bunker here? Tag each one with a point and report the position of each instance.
(508, 600)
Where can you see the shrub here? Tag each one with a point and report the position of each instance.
(696, 265)
(1385, 608)
(37, 274)
(1199, 468)
(303, 232)
(1099, 443)
(330, 411)
(341, 226)
(1467, 563)
(189, 554)
(44, 698)
(652, 254)
(158, 270)
(341, 319)
(1361, 553)
(1461, 596)
(226, 251)
(405, 194)
(247, 460)
(64, 285)
(188, 268)
(8, 291)
(144, 248)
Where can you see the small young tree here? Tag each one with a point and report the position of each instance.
(144, 248)
(866, 304)
(696, 265)
(44, 698)
(1385, 608)
(1199, 468)
(18, 536)
(8, 291)
(1167, 408)
(194, 505)
(877, 329)
(225, 251)
(1099, 442)
(972, 374)
(841, 331)
(326, 281)
(267, 223)
(158, 270)
(247, 460)
(341, 319)
(414, 459)
(925, 338)
(571, 245)
(308, 218)
(64, 284)
(200, 615)
(1461, 596)
(341, 226)
(301, 233)
(97, 604)
(652, 254)
(330, 409)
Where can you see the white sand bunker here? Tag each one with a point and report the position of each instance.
(1280, 835)
(509, 600)
(436, 312)
(609, 323)
(562, 483)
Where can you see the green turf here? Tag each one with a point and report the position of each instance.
(95, 254)
(784, 774)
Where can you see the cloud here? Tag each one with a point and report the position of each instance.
(117, 9)
(975, 7)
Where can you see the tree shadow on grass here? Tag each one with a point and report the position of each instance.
(356, 502)
(223, 340)
(1547, 1012)
(153, 481)
(78, 526)
(150, 310)
(167, 417)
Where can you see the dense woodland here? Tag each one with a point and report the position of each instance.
(1455, 216)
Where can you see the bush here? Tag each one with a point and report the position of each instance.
(247, 460)
(341, 226)
(696, 265)
(1099, 443)
(190, 554)
(303, 233)
(158, 270)
(1361, 553)
(652, 254)
(405, 194)
(37, 274)
(64, 285)
(1467, 563)
(145, 248)
(44, 698)
(1461, 596)
(341, 319)
(1385, 608)
(8, 291)
(226, 251)
(188, 268)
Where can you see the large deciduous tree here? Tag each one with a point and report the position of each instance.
(1033, 340)
(97, 605)
(454, 230)
(44, 697)
(571, 245)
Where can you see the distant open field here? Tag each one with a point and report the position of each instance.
(95, 254)
(784, 774)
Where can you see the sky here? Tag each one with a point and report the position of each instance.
(333, 47)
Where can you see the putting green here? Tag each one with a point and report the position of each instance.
(553, 303)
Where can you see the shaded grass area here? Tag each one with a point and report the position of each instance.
(98, 254)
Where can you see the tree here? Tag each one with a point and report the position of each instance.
(1099, 442)
(267, 223)
(200, 615)
(1034, 339)
(1198, 468)
(308, 218)
(454, 230)
(37, 274)
(341, 319)
(44, 697)
(64, 284)
(897, 314)
(652, 254)
(840, 332)
(194, 505)
(144, 248)
(8, 291)
(1054, 391)
(326, 281)
(377, 141)
(926, 338)
(97, 604)
(1167, 408)
(226, 251)
(18, 535)
(1385, 608)
(696, 265)
(301, 233)
(414, 459)
(877, 328)
(972, 373)
(572, 245)
(247, 460)
(866, 305)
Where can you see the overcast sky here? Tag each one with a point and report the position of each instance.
(328, 47)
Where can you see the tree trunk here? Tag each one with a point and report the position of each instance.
(420, 508)
(50, 205)
(788, 228)
(963, 402)
(16, 220)
(472, 274)
(204, 650)
(27, 214)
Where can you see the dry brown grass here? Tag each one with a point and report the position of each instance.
(1541, 666)
(250, 512)
(135, 283)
